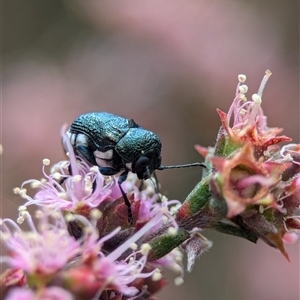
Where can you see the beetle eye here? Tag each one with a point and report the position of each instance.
(141, 167)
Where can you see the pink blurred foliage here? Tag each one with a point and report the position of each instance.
(207, 40)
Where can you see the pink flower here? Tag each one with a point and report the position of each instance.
(96, 272)
(249, 123)
(43, 250)
(244, 181)
(50, 293)
(49, 256)
(87, 188)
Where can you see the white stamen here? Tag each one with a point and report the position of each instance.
(23, 193)
(176, 268)
(164, 199)
(243, 89)
(16, 190)
(87, 178)
(173, 210)
(242, 78)
(35, 184)
(20, 220)
(46, 162)
(88, 190)
(156, 275)
(22, 208)
(243, 112)
(172, 231)
(95, 214)
(145, 248)
(69, 217)
(256, 98)
(133, 246)
(94, 169)
(76, 178)
(1, 149)
(43, 180)
(178, 281)
(131, 261)
(25, 214)
(243, 97)
(57, 176)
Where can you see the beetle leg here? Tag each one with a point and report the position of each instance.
(108, 171)
(121, 179)
(84, 152)
(64, 178)
(141, 186)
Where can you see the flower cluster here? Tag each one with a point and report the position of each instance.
(81, 245)
(251, 187)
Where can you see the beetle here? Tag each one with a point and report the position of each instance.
(117, 146)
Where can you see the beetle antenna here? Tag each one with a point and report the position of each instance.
(182, 166)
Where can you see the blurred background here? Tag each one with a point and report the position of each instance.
(168, 65)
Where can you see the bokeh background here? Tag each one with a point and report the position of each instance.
(168, 65)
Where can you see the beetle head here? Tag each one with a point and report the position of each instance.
(146, 164)
(141, 148)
